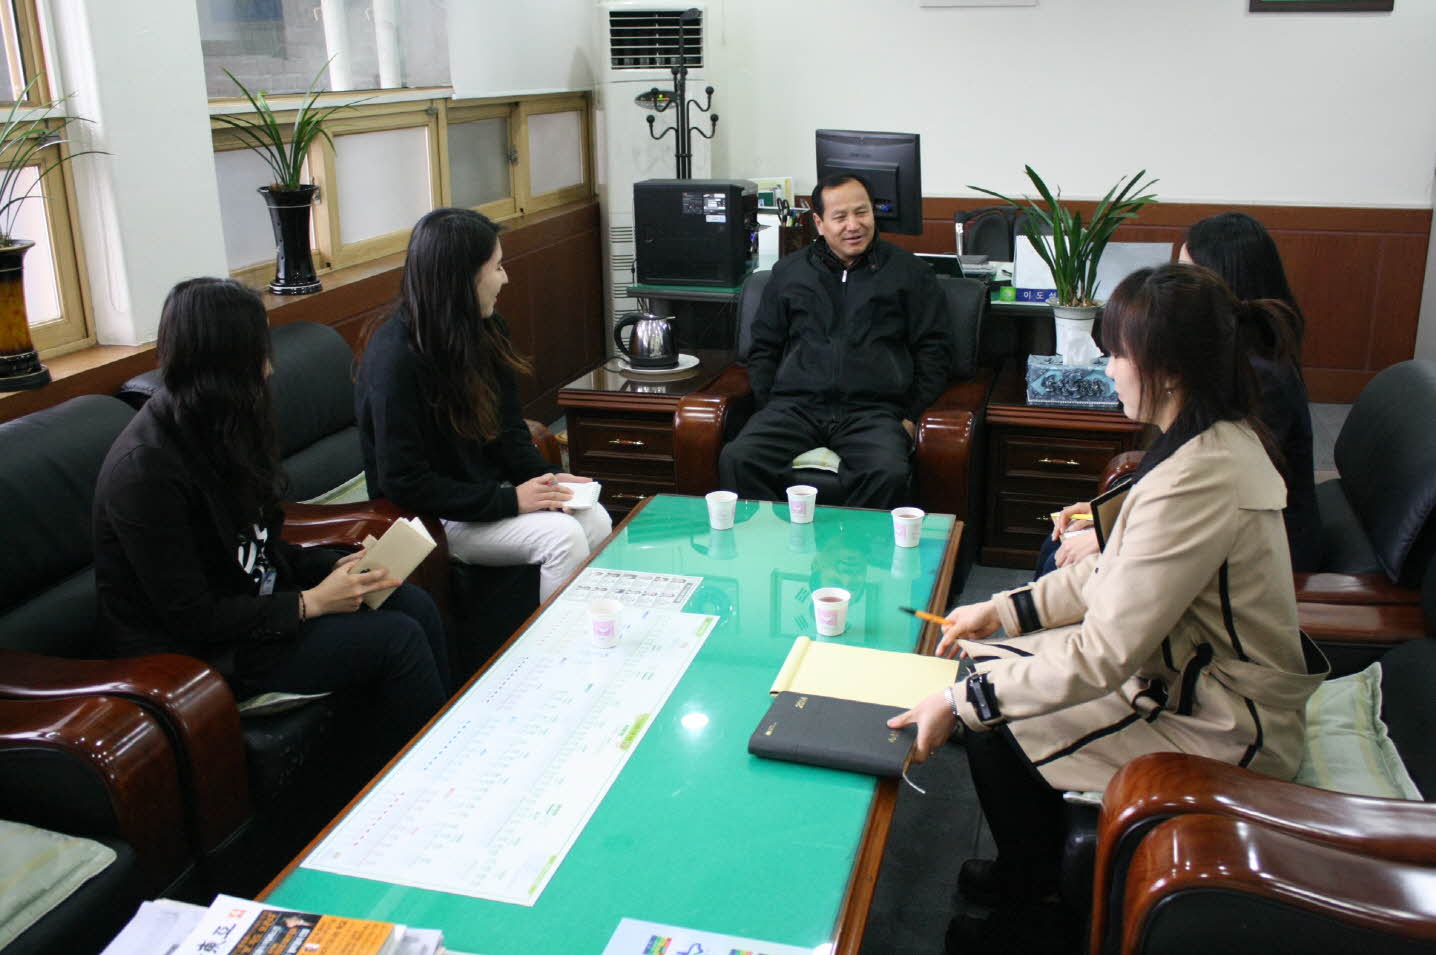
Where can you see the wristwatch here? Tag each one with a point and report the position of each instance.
(983, 700)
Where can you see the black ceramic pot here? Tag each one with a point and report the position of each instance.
(289, 211)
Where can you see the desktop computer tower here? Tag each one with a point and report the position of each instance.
(695, 231)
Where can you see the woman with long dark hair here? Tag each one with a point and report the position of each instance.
(439, 413)
(1180, 635)
(1239, 249)
(188, 553)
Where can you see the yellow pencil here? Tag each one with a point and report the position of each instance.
(924, 615)
(1071, 517)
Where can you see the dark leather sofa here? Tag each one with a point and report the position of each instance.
(949, 435)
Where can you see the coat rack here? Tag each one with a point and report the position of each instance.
(662, 101)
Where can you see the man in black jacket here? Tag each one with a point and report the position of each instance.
(851, 342)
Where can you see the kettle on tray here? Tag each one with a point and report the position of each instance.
(651, 344)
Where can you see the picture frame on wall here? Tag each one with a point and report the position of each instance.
(1321, 6)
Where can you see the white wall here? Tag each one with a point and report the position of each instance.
(1219, 103)
(498, 47)
(149, 211)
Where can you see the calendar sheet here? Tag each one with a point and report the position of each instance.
(488, 803)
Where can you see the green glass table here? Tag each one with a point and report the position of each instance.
(694, 831)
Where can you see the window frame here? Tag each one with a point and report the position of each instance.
(435, 110)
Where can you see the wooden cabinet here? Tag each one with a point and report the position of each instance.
(1039, 460)
(620, 428)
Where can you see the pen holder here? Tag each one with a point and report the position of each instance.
(792, 238)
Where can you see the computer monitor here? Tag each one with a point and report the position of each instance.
(891, 165)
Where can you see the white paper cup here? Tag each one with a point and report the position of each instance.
(830, 610)
(907, 526)
(802, 499)
(605, 616)
(721, 507)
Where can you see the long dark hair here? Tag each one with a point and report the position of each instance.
(463, 354)
(1240, 250)
(1184, 330)
(213, 349)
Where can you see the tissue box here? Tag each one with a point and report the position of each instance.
(1054, 384)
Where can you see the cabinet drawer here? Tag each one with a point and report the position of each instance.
(621, 496)
(601, 466)
(622, 436)
(1023, 520)
(1032, 456)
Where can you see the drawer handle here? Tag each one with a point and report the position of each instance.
(1065, 462)
(1043, 518)
(625, 443)
(628, 497)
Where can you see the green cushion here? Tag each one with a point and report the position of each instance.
(1347, 746)
(38, 870)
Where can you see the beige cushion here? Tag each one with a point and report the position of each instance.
(38, 870)
(351, 491)
(823, 459)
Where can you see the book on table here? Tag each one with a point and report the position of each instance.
(832, 702)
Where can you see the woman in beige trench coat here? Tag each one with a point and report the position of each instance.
(1180, 635)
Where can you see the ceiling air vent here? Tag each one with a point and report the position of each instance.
(648, 40)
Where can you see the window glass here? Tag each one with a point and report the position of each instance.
(42, 294)
(13, 82)
(279, 45)
(479, 162)
(248, 236)
(384, 181)
(555, 151)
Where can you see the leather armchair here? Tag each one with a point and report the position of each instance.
(948, 434)
(1289, 856)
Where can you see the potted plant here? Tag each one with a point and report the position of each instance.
(1072, 248)
(29, 137)
(290, 201)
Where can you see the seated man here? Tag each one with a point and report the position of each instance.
(851, 342)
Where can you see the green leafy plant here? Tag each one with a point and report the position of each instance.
(284, 148)
(1073, 248)
(31, 137)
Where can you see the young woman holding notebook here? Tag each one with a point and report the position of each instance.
(439, 413)
(1181, 635)
(188, 553)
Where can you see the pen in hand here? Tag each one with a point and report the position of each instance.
(924, 615)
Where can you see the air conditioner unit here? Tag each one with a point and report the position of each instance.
(636, 43)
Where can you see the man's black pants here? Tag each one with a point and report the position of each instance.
(872, 443)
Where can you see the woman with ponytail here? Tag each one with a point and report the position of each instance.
(188, 553)
(439, 415)
(1179, 636)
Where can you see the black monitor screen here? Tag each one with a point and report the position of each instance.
(889, 162)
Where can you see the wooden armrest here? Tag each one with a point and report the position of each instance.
(546, 443)
(1157, 786)
(112, 742)
(1118, 468)
(1199, 854)
(700, 425)
(337, 525)
(1378, 624)
(188, 699)
(947, 433)
(1331, 588)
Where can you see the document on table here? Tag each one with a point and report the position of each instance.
(489, 801)
(635, 937)
(633, 589)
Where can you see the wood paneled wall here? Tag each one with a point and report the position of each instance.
(1356, 272)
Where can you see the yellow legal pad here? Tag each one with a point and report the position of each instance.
(864, 674)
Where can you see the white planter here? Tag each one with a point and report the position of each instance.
(1074, 333)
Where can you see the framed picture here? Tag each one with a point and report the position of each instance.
(1321, 6)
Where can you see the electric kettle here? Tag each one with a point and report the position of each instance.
(651, 344)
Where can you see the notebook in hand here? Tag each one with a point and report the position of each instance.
(833, 733)
(404, 545)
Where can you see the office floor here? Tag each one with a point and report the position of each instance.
(932, 834)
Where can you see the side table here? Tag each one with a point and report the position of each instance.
(1039, 460)
(620, 427)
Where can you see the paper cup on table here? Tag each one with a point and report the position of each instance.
(604, 618)
(721, 507)
(830, 610)
(907, 526)
(802, 499)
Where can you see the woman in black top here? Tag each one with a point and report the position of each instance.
(188, 553)
(439, 414)
(1239, 249)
